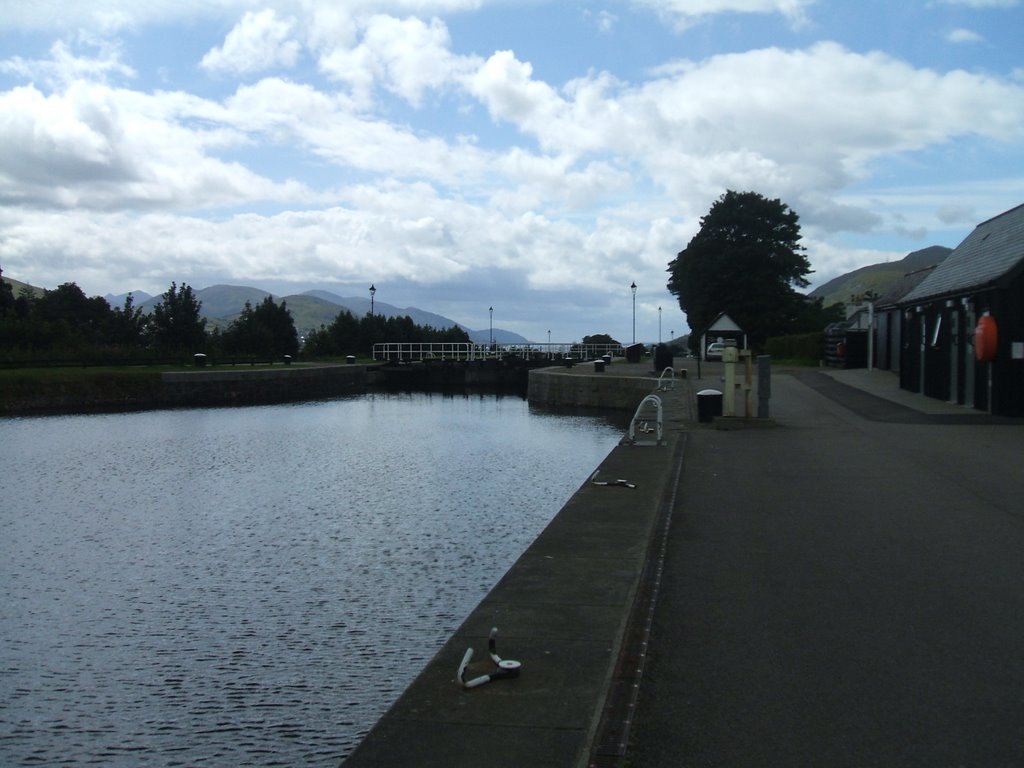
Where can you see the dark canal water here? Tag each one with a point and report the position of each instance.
(255, 586)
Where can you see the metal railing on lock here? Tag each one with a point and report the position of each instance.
(417, 351)
(648, 418)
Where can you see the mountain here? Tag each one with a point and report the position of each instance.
(220, 304)
(17, 286)
(359, 306)
(881, 278)
(116, 301)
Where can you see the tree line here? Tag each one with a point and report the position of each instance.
(65, 324)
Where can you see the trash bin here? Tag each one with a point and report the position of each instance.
(663, 358)
(287, 359)
(568, 362)
(350, 359)
(199, 360)
(607, 357)
(599, 366)
(709, 404)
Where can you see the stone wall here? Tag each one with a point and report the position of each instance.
(555, 387)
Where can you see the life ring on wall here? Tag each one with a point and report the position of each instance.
(841, 349)
(986, 339)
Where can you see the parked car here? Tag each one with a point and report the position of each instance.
(714, 351)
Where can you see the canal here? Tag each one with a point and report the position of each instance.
(255, 586)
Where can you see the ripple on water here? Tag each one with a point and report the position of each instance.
(255, 586)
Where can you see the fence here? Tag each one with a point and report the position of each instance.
(414, 351)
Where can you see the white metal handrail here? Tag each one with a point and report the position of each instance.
(651, 401)
(663, 385)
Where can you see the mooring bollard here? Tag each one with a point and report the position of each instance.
(709, 405)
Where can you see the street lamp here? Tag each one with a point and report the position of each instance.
(659, 325)
(491, 310)
(632, 287)
(549, 345)
(373, 292)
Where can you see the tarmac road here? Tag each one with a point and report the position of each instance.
(845, 589)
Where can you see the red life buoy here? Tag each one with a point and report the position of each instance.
(986, 339)
(841, 349)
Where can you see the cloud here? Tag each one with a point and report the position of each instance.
(957, 214)
(771, 119)
(96, 147)
(110, 16)
(961, 35)
(65, 67)
(686, 13)
(260, 41)
(605, 21)
(405, 56)
(983, 3)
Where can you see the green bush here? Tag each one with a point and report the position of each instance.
(801, 348)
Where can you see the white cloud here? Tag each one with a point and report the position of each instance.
(110, 15)
(962, 35)
(782, 121)
(64, 66)
(406, 57)
(260, 41)
(984, 3)
(97, 147)
(685, 13)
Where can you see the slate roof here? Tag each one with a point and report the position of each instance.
(993, 250)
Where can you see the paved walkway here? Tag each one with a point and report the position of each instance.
(845, 589)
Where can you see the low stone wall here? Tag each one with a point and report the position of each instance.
(562, 387)
(112, 391)
(277, 385)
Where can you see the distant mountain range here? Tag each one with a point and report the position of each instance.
(223, 303)
(882, 279)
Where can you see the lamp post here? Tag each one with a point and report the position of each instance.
(491, 332)
(659, 325)
(632, 287)
(373, 292)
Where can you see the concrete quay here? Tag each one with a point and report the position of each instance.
(563, 610)
(841, 589)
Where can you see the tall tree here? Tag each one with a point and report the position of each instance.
(746, 260)
(267, 329)
(65, 318)
(176, 323)
(128, 324)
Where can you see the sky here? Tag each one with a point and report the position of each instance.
(522, 163)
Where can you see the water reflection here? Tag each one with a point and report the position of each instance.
(255, 586)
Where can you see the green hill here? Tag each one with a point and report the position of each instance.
(19, 286)
(881, 279)
(308, 312)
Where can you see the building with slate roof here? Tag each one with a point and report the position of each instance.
(984, 275)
